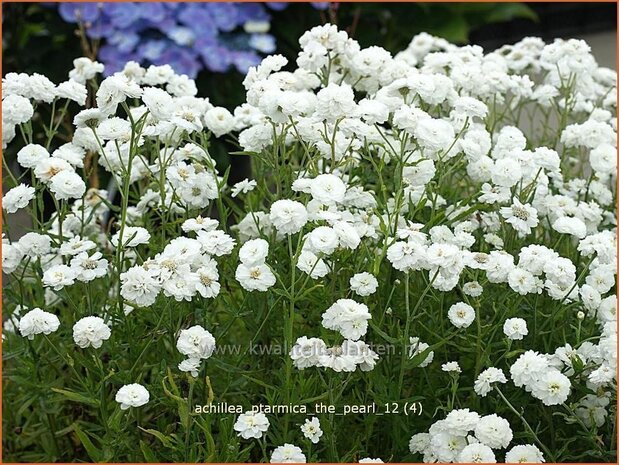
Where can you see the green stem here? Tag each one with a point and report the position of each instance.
(549, 454)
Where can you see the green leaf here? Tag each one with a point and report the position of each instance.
(260, 383)
(508, 11)
(173, 392)
(148, 453)
(93, 452)
(183, 413)
(76, 397)
(114, 420)
(383, 334)
(165, 440)
(455, 29)
(421, 356)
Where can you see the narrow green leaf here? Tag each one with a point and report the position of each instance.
(93, 452)
(76, 397)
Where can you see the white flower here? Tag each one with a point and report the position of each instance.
(476, 453)
(115, 90)
(419, 443)
(307, 352)
(323, 240)
(528, 368)
(37, 321)
(251, 425)
(132, 395)
(288, 453)
(515, 328)
(243, 187)
(573, 226)
(522, 217)
(335, 101)
(180, 85)
(472, 289)
(483, 383)
(190, 365)
(199, 224)
(288, 216)
(460, 421)
(139, 286)
(405, 256)
(327, 189)
(207, 285)
(601, 278)
(91, 331)
(364, 357)
(216, 242)
(196, 342)
(88, 268)
(89, 118)
(603, 159)
(72, 90)
(527, 453)
(255, 277)
(67, 185)
(363, 284)
(338, 359)
(59, 276)
(85, 69)
(451, 367)
(445, 446)
(34, 245)
(592, 409)
(254, 252)
(71, 153)
(309, 263)
(311, 430)
(219, 121)
(158, 102)
(158, 75)
(16, 110)
(420, 173)
(522, 281)
(417, 347)
(348, 317)
(434, 134)
(370, 460)
(17, 198)
(461, 315)
(132, 236)
(506, 172)
(12, 256)
(552, 387)
(31, 155)
(494, 431)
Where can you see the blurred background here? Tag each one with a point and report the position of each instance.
(215, 43)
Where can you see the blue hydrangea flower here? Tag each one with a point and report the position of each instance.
(188, 36)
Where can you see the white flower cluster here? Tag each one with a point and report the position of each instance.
(251, 425)
(485, 183)
(184, 269)
(91, 331)
(252, 273)
(450, 440)
(37, 321)
(132, 395)
(197, 344)
(346, 357)
(350, 319)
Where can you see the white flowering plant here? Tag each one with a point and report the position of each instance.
(426, 247)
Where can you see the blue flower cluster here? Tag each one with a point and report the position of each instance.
(187, 36)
